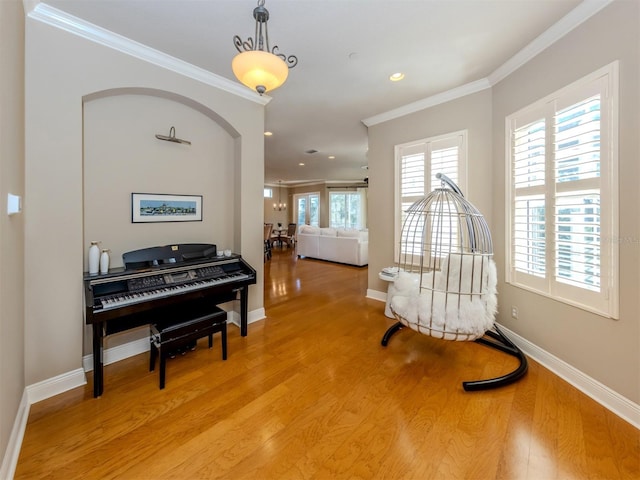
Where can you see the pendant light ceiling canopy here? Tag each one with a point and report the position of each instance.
(258, 66)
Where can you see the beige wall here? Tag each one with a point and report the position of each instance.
(130, 159)
(275, 216)
(12, 381)
(607, 350)
(65, 73)
(471, 113)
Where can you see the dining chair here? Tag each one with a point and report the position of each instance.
(267, 240)
(290, 237)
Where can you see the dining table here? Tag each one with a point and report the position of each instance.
(278, 235)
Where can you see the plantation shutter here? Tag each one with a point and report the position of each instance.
(529, 218)
(412, 188)
(444, 160)
(577, 209)
(417, 164)
(562, 198)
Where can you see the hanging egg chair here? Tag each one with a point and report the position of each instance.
(446, 281)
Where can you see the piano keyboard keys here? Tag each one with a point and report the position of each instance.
(131, 298)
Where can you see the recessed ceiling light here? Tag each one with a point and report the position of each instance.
(268, 134)
(301, 164)
(331, 157)
(396, 77)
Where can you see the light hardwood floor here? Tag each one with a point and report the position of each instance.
(311, 393)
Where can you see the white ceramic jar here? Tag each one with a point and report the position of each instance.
(104, 261)
(94, 258)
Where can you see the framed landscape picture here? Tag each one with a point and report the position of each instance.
(160, 207)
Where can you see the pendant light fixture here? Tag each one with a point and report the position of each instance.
(279, 206)
(258, 66)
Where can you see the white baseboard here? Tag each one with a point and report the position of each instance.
(611, 400)
(377, 295)
(115, 354)
(252, 316)
(12, 452)
(56, 385)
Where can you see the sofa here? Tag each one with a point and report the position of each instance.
(348, 246)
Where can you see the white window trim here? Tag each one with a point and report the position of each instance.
(609, 207)
(462, 174)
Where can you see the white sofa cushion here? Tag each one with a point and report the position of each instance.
(328, 232)
(348, 232)
(308, 229)
(363, 235)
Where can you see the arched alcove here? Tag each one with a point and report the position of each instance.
(121, 156)
(154, 92)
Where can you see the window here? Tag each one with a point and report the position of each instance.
(346, 209)
(268, 192)
(417, 164)
(307, 209)
(562, 205)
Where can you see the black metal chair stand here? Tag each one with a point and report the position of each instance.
(500, 342)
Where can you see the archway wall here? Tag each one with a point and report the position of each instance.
(91, 118)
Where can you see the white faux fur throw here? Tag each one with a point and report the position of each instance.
(459, 302)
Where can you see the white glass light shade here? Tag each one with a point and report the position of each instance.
(258, 68)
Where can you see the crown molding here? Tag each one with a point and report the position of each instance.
(566, 24)
(429, 102)
(276, 185)
(57, 18)
(296, 183)
(321, 183)
(562, 27)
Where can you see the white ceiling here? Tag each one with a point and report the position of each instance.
(346, 51)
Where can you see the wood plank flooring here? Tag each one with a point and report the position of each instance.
(311, 394)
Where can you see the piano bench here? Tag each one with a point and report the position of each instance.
(169, 335)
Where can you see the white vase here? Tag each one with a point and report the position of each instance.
(94, 258)
(104, 261)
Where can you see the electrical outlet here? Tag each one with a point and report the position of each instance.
(514, 311)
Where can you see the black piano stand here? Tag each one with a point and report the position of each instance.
(169, 337)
